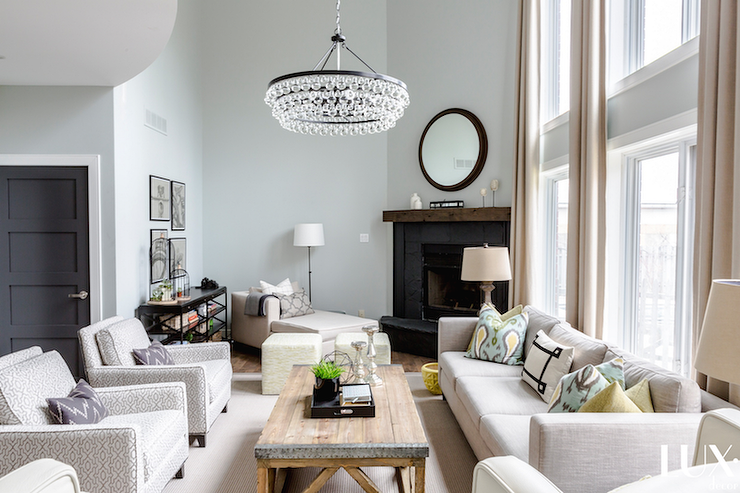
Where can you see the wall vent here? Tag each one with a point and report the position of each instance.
(465, 164)
(156, 122)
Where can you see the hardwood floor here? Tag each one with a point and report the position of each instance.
(246, 359)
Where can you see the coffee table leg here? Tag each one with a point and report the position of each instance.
(419, 479)
(265, 479)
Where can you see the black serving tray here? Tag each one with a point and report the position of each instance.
(333, 409)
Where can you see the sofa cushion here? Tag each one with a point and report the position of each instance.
(504, 395)
(538, 321)
(669, 391)
(25, 386)
(546, 364)
(586, 350)
(456, 365)
(294, 304)
(640, 395)
(610, 400)
(506, 434)
(575, 389)
(327, 324)
(499, 340)
(81, 407)
(117, 342)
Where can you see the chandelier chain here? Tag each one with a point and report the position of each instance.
(338, 30)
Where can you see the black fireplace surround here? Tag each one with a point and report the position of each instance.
(430, 254)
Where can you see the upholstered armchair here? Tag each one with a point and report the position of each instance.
(42, 476)
(719, 433)
(205, 368)
(137, 448)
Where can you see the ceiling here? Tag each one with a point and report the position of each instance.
(81, 42)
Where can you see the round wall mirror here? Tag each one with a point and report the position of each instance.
(453, 149)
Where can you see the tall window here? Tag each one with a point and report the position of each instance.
(657, 248)
(555, 186)
(555, 51)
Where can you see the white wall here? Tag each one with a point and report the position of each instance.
(172, 88)
(261, 180)
(67, 120)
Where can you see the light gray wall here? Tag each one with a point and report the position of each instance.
(67, 120)
(452, 55)
(172, 88)
(260, 180)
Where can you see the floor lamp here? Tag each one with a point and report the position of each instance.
(308, 235)
(486, 264)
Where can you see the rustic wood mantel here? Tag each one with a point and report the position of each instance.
(448, 215)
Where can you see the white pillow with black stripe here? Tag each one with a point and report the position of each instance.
(547, 362)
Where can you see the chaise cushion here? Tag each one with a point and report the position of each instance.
(24, 388)
(327, 324)
(117, 342)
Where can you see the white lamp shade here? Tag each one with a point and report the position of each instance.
(486, 264)
(308, 235)
(719, 341)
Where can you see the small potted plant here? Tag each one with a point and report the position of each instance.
(327, 375)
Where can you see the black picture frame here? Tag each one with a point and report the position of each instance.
(159, 198)
(177, 196)
(178, 254)
(158, 255)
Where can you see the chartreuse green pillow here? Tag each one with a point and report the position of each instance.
(498, 340)
(640, 395)
(610, 400)
(613, 371)
(517, 310)
(576, 388)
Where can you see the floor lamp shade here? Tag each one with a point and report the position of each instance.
(308, 235)
(718, 351)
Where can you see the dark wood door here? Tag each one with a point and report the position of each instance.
(44, 259)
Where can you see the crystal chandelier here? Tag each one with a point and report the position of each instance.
(337, 102)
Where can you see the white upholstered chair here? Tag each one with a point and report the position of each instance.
(205, 368)
(41, 476)
(137, 448)
(719, 428)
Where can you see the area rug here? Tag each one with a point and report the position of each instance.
(227, 464)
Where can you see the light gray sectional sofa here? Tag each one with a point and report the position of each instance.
(500, 414)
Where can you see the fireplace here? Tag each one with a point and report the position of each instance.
(444, 293)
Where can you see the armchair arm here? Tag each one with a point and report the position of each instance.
(144, 398)
(720, 428)
(507, 474)
(102, 455)
(39, 476)
(204, 351)
(248, 329)
(454, 333)
(600, 451)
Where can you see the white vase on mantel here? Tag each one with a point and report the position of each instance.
(415, 201)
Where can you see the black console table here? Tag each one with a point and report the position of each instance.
(173, 322)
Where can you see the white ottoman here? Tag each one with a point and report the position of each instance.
(281, 351)
(343, 342)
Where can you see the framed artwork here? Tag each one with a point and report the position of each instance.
(178, 254)
(178, 206)
(158, 255)
(159, 205)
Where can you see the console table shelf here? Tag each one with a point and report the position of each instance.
(448, 215)
(172, 321)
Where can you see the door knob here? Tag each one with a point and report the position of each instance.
(78, 296)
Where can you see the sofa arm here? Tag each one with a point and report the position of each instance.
(507, 474)
(42, 476)
(135, 399)
(454, 333)
(102, 455)
(600, 451)
(204, 351)
(248, 329)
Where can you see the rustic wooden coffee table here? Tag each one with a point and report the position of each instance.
(393, 438)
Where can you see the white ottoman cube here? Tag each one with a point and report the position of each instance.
(343, 343)
(281, 351)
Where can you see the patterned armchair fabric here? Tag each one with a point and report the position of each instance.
(137, 449)
(204, 368)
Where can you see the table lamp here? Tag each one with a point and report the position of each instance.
(719, 341)
(486, 264)
(308, 235)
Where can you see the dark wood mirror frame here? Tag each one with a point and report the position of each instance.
(482, 150)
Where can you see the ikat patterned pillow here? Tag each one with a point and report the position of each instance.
(613, 371)
(155, 354)
(81, 407)
(498, 340)
(575, 389)
(295, 305)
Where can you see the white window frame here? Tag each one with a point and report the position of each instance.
(550, 43)
(685, 146)
(549, 218)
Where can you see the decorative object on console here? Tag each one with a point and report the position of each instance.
(719, 341)
(180, 284)
(486, 264)
(494, 187)
(483, 193)
(372, 377)
(447, 204)
(159, 203)
(178, 206)
(308, 235)
(337, 102)
(416, 201)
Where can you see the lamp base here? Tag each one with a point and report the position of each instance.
(487, 289)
